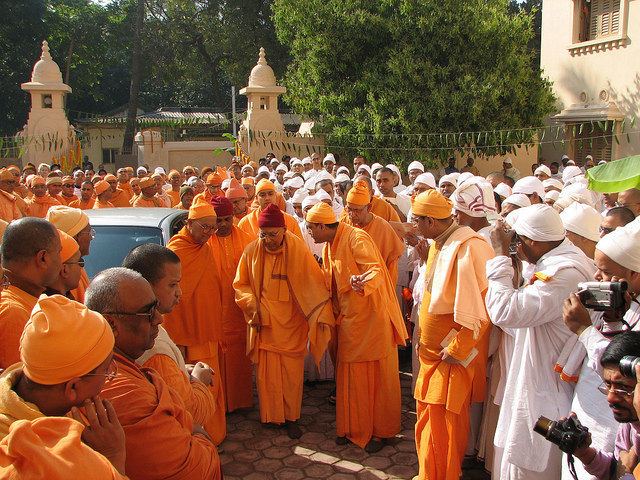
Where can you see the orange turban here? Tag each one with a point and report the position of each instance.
(69, 246)
(200, 208)
(248, 181)
(432, 204)
(214, 179)
(359, 194)
(54, 181)
(265, 184)
(62, 340)
(36, 180)
(68, 219)
(235, 190)
(5, 174)
(110, 177)
(321, 213)
(147, 182)
(101, 187)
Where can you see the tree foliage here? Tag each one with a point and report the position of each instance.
(380, 73)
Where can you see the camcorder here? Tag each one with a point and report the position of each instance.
(628, 366)
(567, 434)
(602, 296)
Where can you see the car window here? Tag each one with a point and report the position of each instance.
(112, 244)
(177, 224)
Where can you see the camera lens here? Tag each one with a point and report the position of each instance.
(628, 366)
(543, 425)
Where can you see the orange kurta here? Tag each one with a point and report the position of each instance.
(126, 188)
(285, 293)
(146, 202)
(8, 207)
(250, 224)
(385, 211)
(82, 205)
(120, 198)
(78, 293)
(443, 390)
(196, 321)
(15, 310)
(369, 327)
(158, 429)
(100, 204)
(39, 206)
(174, 195)
(52, 448)
(391, 247)
(236, 369)
(64, 200)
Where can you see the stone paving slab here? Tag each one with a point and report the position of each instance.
(252, 451)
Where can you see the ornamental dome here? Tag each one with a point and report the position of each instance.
(46, 70)
(262, 74)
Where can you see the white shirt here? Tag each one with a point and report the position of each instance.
(401, 201)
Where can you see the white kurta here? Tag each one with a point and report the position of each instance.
(533, 388)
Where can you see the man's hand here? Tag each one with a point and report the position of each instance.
(202, 371)
(628, 461)
(357, 283)
(444, 355)
(575, 315)
(103, 431)
(501, 236)
(422, 249)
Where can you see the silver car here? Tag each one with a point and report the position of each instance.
(119, 230)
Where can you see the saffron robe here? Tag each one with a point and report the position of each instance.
(174, 195)
(64, 200)
(78, 292)
(249, 224)
(82, 205)
(285, 293)
(120, 199)
(159, 439)
(128, 191)
(142, 201)
(100, 204)
(369, 327)
(39, 206)
(8, 207)
(15, 311)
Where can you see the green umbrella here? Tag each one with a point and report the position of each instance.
(615, 176)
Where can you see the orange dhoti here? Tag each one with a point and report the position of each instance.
(236, 372)
(279, 379)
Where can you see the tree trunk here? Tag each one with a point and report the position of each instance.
(136, 74)
(67, 64)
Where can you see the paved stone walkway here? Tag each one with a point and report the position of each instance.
(254, 452)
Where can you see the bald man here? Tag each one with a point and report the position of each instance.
(31, 262)
(630, 199)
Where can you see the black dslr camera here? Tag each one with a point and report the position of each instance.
(628, 366)
(602, 296)
(568, 434)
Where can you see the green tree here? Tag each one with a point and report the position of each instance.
(377, 73)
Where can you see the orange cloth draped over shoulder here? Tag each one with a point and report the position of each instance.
(443, 390)
(51, 448)
(158, 429)
(101, 204)
(142, 202)
(8, 207)
(82, 205)
(196, 322)
(280, 202)
(78, 292)
(174, 195)
(284, 292)
(39, 206)
(66, 200)
(236, 370)
(249, 223)
(128, 191)
(15, 311)
(120, 198)
(379, 208)
(369, 328)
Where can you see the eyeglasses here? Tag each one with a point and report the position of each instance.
(91, 232)
(606, 230)
(271, 235)
(205, 228)
(110, 375)
(68, 185)
(606, 389)
(149, 314)
(79, 262)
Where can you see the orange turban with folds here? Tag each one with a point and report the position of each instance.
(265, 184)
(101, 187)
(359, 194)
(147, 182)
(110, 177)
(69, 246)
(235, 190)
(53, 181)
(5, 174)
(36, 180)
(68, 219)
(432, 204)
(217, 177)
(200, 208)
(62, 340)
(248, 181)
(321, 213)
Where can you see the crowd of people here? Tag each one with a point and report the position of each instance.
(517, 294)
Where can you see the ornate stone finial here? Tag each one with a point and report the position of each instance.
(262, 60)
(46, 55)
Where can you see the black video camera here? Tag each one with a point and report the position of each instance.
(602, 296)
(628, 366)
(568, 434)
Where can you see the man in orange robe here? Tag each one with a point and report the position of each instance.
(265, 196)
(228, 243)
(195, 324)
(162, 441)
(31, 262)
(175, 179)
(249, 186)
(369, 328)
(238, 196)
(54, 186)
(74, 222)
(8, 206)
(123, 175)
(118, 196)
(87, 199)
(161, 268)
(286, 303)
(384, 236)
(40, 202)
(452, 322)
(147, 197)
(67, 196)
(103, 193)
(378, 206)
(187, 194)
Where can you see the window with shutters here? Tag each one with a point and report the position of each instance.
(597, 143)
(604, 19)
(598, 25)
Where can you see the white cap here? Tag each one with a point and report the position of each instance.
(464, 176)
(565, 157)
(541, 223)
(274, 159)
(529, 185)
(323, 175)
(552, 182)
(299, 196)
(309, 201)
(247, 167)
(342, 169)
(322, 195)
(159, 170)
(306, 161)
(582, 220)
(375, 166)
(295, 182)
(621, 245)
(450, 178)
(552, 195)
(589, 157)
(295, 161)
(543, 169)
(427, 179)
(288, 175)
(570, 172)
(394, 169)
(518, 199)
(282, 168)
(474, 198)
(503, 190)
(342, 177)
(141, 170)
(329, 158)
(415, 165)
(263, 169)
(364, 167)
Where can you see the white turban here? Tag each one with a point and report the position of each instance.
(552, 195)
(375, 166)
(621, 245)
(582, 220)
(455, 175)
(309, 201)
(159, 171)
(415, 166)
(295, 161)
(323, 175)
(141, 170)
(299, 196)
(247, 167)
(306, 161)
(342, 177)
(192, 181)
(542, 169)
(518, 199)
(475, 198)
(394, 169)
(569, 172)
(288, 175)
(463, 177)
(503, 190)
(263, 169)
(451, 178)
(366, 168)
(322, 195)
(512, 217)
(329, 158)
(426, 178)
(342, 169)
(225, 183)
(295, 182)
(282, 168)
(540, 223)
(553, 183)
(528, 186)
